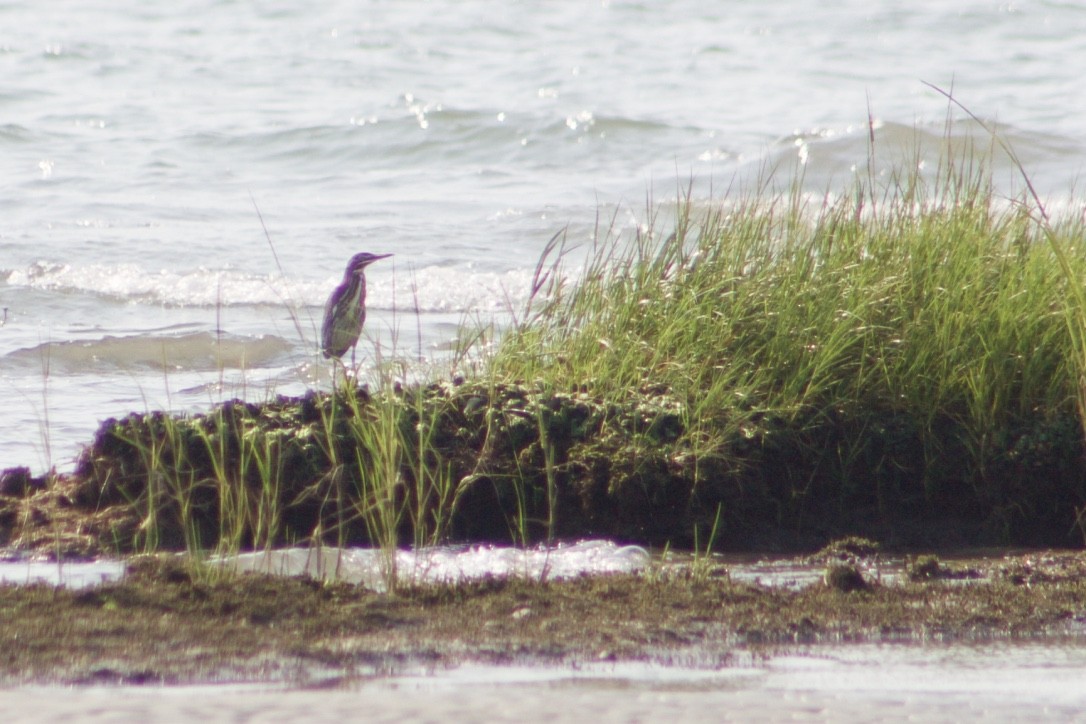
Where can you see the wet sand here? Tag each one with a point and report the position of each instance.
(1007, 681)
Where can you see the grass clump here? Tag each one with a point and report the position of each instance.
(921, 352)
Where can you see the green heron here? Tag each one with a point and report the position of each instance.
(345, 311)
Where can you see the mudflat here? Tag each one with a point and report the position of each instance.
(168, 623)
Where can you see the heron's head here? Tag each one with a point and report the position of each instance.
(360, 261)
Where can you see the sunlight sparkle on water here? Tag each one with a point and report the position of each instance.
(447, 563)
(368, 566)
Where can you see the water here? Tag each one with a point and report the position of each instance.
(445, 564)
(368, 566)
(457, 563)
(450, 564)
(1000, 682)
(74, 574)
(138, 141)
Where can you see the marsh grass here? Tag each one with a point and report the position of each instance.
(330, 469)
(702, 565)
(942, 317)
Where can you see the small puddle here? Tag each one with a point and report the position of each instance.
(72, 574)
(445, 564)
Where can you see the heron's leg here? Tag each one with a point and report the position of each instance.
(336, 364)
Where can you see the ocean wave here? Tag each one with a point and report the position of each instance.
(417, 136)
(441, 289)
(828, 155)
(195, 351)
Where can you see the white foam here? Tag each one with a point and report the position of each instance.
(448, 564)
(430, 289)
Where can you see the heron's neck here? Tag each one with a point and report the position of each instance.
(353, 284)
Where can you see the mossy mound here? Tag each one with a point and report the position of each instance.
(501, 463)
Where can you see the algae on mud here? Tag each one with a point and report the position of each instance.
(170, 623)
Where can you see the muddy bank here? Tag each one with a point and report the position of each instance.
(518, 463)
(169, 623)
